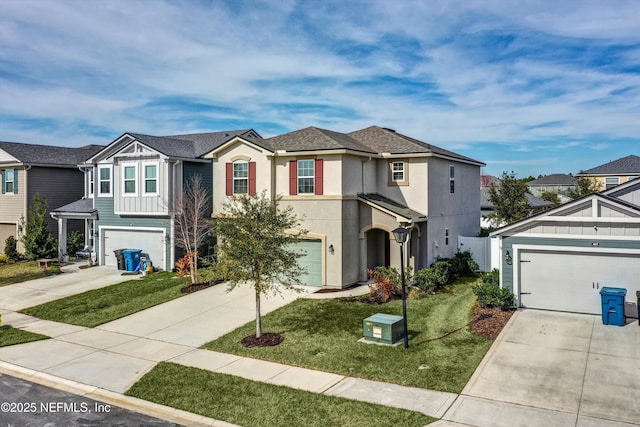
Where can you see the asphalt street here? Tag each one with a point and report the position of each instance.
(23, 403)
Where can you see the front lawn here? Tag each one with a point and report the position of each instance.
(17, 272)
(13, 336)
(249, 403)
(323, 334)
(103, 305)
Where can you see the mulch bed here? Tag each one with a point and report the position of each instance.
(266, 340)
(330, 290)
(195, 287)
(488, 322)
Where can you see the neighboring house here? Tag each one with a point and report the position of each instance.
(28, 169)
(351, 190)
(132, 186)
(614, 173)
(557, 183)
(560, 259)
(486, 206)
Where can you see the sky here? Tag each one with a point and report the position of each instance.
(534, 87)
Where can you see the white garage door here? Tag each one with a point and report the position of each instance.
(569, 281)
(150, 241)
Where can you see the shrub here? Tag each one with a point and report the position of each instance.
(492, 277)
(383, 288)
(75, 242)
(433, 278)
(3, 258)
(464, 264)
(10, 248)
(490, 295)
(34, 234)
(183, 267)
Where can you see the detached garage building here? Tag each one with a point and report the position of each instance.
(560, 259)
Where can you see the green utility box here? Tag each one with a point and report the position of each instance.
(383, 328)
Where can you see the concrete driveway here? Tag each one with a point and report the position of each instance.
(555, 369)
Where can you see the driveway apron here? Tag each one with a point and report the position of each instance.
(560, 369)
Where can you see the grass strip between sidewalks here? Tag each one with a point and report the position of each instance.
(103, 305)
(18, 272)
(250, 403)
(13, 336)
(324, 334)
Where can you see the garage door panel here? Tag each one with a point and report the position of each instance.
(149, 241)
(311, 261)
(569, 281)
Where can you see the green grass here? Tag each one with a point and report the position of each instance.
(103, 305)
(17, 272)
(323, 334)
(249, 403)
(13, 336)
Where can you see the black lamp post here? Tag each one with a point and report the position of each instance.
(401, 235)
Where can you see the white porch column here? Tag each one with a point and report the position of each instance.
(62, 237)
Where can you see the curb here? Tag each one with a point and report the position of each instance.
(151, 409)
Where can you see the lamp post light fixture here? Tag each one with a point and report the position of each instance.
(401, 234)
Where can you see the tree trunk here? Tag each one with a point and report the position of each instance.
(258, 319)
(194, 266)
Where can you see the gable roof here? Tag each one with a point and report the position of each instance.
(625, 165)
(383, 140)
(36, 154)
(554, 179)
(189, 146)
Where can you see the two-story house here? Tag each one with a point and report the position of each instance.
(352, 190)
(28, 169)
(557, 183)
(131, 187)
(614, 173)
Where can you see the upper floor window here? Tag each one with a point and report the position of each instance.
(151, 179)
(240, 177)
(90, 182)
(306, 175)
(129, 180)
(397, 171)
(452, 179)
(9, 181)
(611, 181)
(104, 180)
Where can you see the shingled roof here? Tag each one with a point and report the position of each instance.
(313, 138)
(190, 145)
(49, 154)
(625, 165)
(392, 206)
(554, 179)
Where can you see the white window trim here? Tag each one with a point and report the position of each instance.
(144, 179)
(13, 191)
(135, 179)
(110, 193)
(617, 178)
(393, 171)
(244, 179)
(91, 183)
(312, 176)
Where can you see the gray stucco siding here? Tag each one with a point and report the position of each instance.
(509, 242)
(106, 218)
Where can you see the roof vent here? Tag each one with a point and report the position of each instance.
(390, 130)
(226, 134)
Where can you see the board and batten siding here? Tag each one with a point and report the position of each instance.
(596, 241)
(142, 204)
(107, 218)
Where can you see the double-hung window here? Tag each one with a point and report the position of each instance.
(9, 181)
(611, 181)
(306, 176)
(104, 181)
(151, 179)
(241, 177)
(397, 171)
(452, 179)
(129, 180)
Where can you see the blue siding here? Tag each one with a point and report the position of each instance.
(106, 217)
(508, 242)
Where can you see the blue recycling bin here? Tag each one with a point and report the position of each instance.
(613, 305)
(131, 259)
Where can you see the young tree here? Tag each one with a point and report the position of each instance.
(192, 214)
(584, 187)
(34, 233)
(509, 200)
(256, 246)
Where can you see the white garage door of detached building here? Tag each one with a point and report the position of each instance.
(571, 281)
(150, 241)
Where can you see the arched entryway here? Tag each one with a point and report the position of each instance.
(378, 248)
